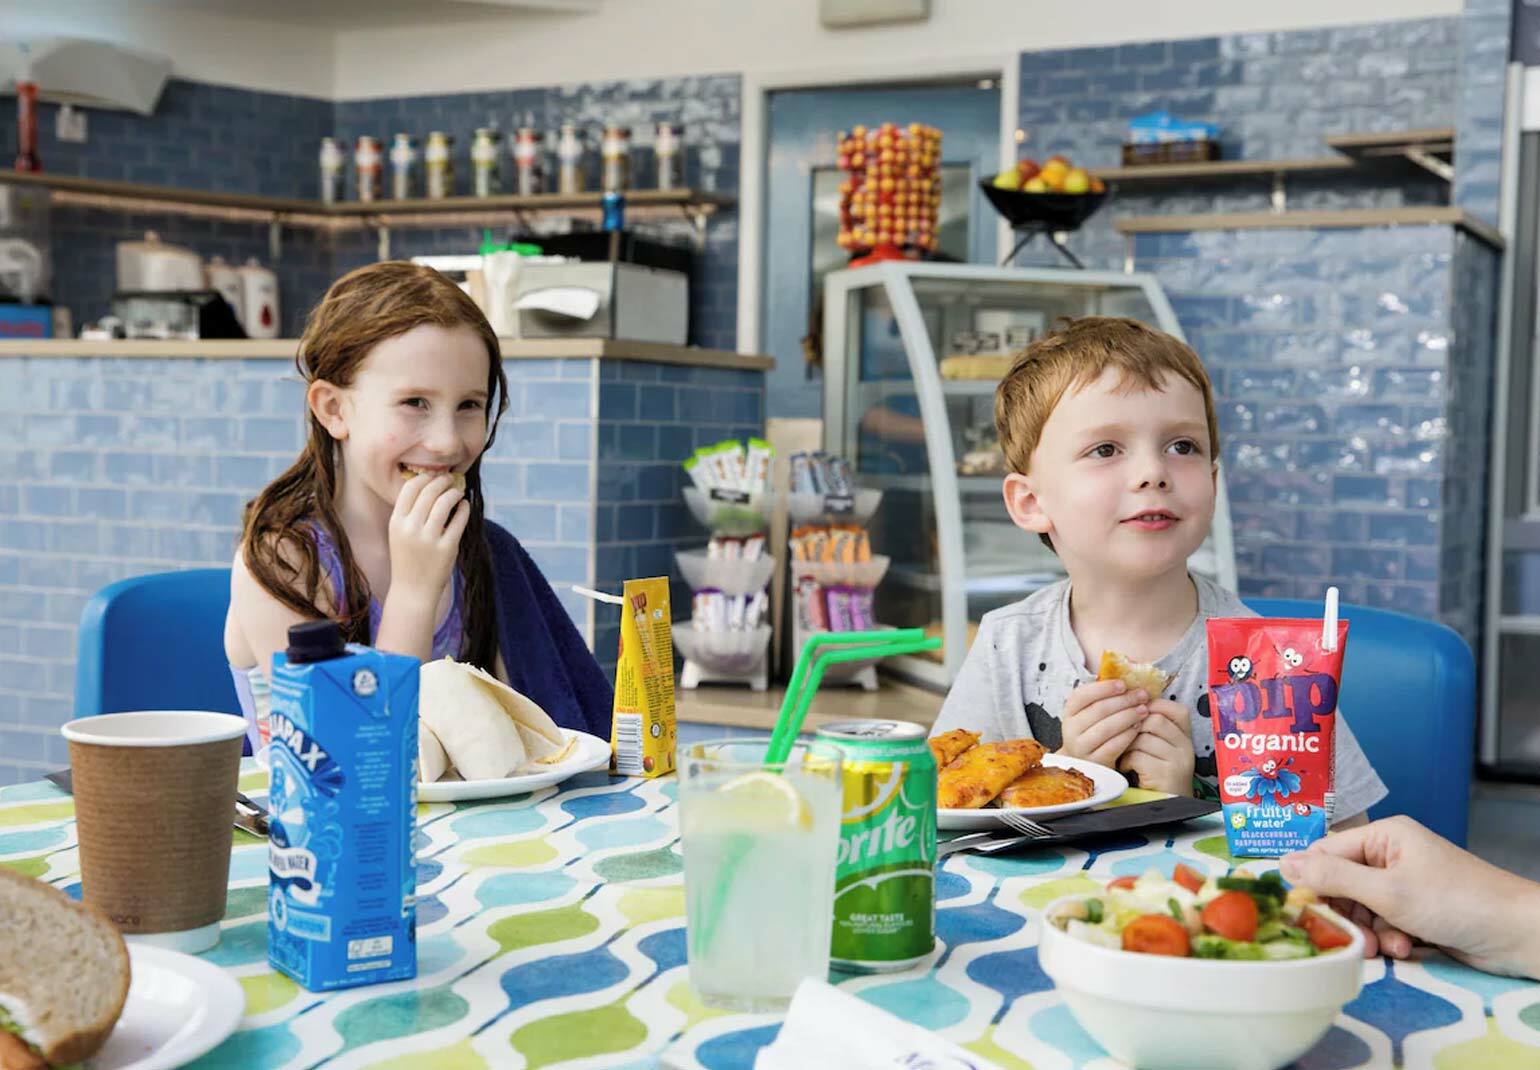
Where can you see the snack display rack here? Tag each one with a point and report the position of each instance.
(728, 576)
(825, 581)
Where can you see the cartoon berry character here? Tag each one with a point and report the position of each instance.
(1240, 668)
(1238, 820)
(1302, 809)
(1271, 782)
(1293, 658)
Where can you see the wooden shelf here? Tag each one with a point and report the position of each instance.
(1429, 151)
(285, 349)
(1357, 217)
(1220, 170)
(92, 192)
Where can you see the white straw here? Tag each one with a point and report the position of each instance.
(1329, 625)
(598, 596)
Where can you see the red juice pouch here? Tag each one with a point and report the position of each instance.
(1273, 705)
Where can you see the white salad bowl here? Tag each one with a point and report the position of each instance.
(1157, 1012)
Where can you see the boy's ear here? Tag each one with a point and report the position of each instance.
(325, 401)
(1022, 503)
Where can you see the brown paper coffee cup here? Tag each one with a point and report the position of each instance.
(154, 802)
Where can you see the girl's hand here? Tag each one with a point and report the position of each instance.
(425, 529)
(1161, 755)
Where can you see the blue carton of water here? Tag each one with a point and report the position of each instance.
(342, 874)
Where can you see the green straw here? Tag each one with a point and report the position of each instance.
(794, 710)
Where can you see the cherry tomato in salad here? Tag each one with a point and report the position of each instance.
(1232, 915)
(1156, 934)
(1324, 934)
(1187, 877)
(1121, 882)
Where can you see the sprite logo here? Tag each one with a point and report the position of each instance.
(881, 828)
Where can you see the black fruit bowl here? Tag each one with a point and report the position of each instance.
(1051, 211)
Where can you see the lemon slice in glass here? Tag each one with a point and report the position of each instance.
(774, 799)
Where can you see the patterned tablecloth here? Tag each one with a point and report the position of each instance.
(551, 932)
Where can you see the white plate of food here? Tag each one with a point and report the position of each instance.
(978, 783)
(587, 752)
(71, 989)
(178, 1008)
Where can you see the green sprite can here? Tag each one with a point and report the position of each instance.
(885, 880)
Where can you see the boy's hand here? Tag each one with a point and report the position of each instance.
(1161, 754)
(1100, 720)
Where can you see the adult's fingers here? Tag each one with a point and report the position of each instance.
(1335, 874)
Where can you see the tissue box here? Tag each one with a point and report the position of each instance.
(639, 304)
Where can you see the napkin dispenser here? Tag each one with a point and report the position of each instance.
(602, 300)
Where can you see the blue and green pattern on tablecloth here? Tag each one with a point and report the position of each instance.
(551, 932)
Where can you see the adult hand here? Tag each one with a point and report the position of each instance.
(1407, 882)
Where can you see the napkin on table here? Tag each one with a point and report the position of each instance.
(828, 1027)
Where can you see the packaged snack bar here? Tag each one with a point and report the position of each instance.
(861, 617)
(801, 474)
(736, 606)
(812, 614)
(843, 544)
(756, 476)
(753, 547)
(733, 457)
(1273, 703)
(708, 612)
(755, 613)
(698, 474)
(838, 604)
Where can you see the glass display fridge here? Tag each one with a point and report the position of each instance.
(912, 354)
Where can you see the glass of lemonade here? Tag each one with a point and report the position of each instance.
(759, 852)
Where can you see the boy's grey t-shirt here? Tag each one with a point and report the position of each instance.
(1026, 660)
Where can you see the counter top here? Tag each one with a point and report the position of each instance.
(285, 348)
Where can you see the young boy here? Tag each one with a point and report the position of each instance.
(1108, 428)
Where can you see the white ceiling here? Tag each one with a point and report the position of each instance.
(338, 15)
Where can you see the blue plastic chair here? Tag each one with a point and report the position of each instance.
(156, 643)
(1409, 693)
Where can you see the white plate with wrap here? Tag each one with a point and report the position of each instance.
(588, 753)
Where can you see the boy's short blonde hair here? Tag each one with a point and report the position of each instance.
(1077, 354)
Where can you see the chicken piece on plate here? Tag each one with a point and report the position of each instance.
(983, 772)
(1048, 785)
(948, 746)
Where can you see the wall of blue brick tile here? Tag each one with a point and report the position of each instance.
(651, 417)
(116, 468)
(1275, 96)
(1351, 371)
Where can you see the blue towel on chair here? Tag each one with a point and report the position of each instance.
(546, 657)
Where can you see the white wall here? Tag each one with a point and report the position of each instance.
(644, 38)
(655, 38)
(203, 46)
